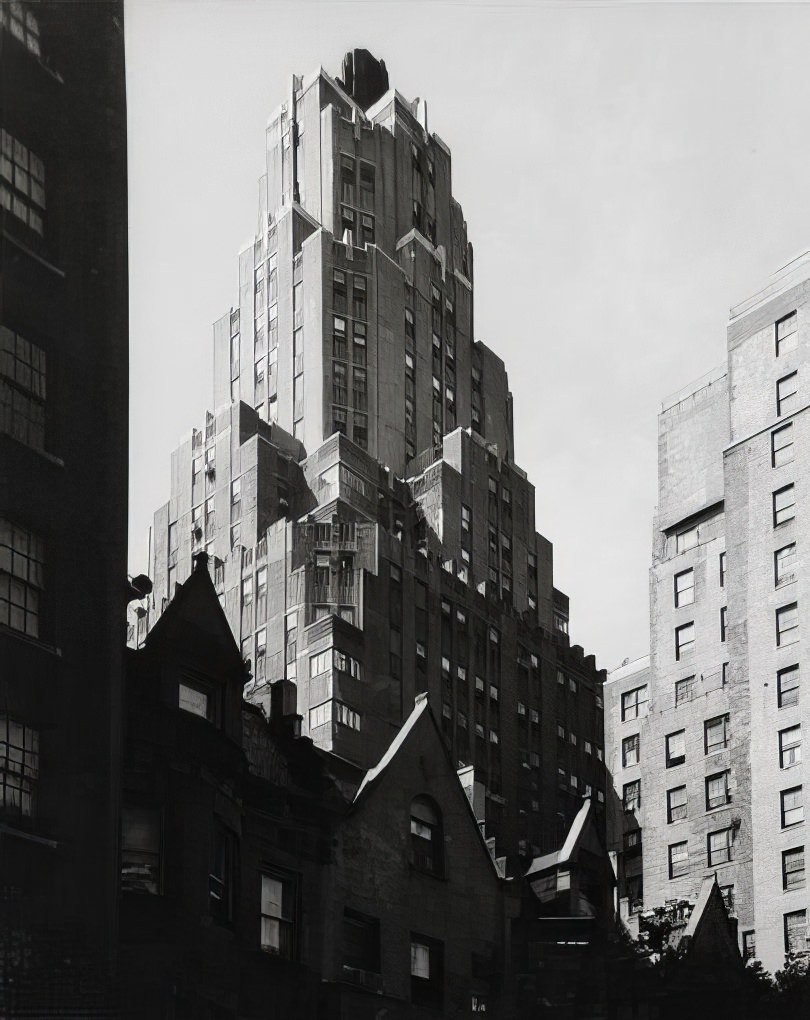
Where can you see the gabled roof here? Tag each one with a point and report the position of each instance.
(419, 709)
(573, 841)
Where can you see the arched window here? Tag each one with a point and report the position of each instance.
(427, 840)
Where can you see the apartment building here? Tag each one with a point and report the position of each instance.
(721, 773)
(63, 492)
(372, 537)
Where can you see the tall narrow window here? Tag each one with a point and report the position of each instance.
(722, 570)
(785, 564)
(720, 846)
(787, 393)
(715, 733)
(787, 683)
(278, 915)
(630, 750)
(21, 559)
(22, 182)
(796, 931)
(22, 389)
(427, 841)
(717, 791)
(19, 767)
(792, 805)
(631, 795)
(793, 868)
(684, 588)
(787, 334)
(361, 941)
(220, 878)
(782, 445)
(784, 505)
(676, 804)
(678, 854)
(790, 747)
(427, 971)
(723, 622)
(684, 640)
(787, 624)
(676, 748)
(140, 850)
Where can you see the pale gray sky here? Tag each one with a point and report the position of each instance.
(627, 171)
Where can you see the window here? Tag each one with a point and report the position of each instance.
(784, 503)
(193, 700)
(684, 640)
(676, 748)
(722, 570)
(427, 841)
(630, 750)
(427, 965)
(787, 683)
(723, 622)
(220, 877)
(21, 555)
(715, 734)
(634, 703)
(339, 384)
(787, 625)
(790, 747)
(782, 445)
(24, 194)
(676, 804)
(631, 795)
(320, 715)
(320, 663)
(685, 588)
(784, 561)
(717, 791)
(678, 854)
(686, 539)
(359, 389)
(787, 393)
(278, 915)
(346, 716)
(361, 941)
(786, 334)
(521, 708)
(793, 868)
(22, 389)
(19, 767)
(749, 945)
(792, 806)
(683, 690)
(346, 664)
(140, 850)
(796, 931)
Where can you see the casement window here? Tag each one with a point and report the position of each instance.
(678, 855)
(792, 806)
(717, 791)
(787, 393)
(21, 570)
(140, 850)
(784, 505)
(221, 875)
(793, 868)
(787, 685)
(684, 640)
(684, 588)
(22, 182)
(787, 624)
(784, 564)
(278, 909)
(19, 767)
(790, 747)
(786, 333)
(782, 451)
(427, 839)
(720, 846)
(683, 690)
(631, 795)
(686, 539)
(675, 748)
(676, 804)
(796, 931)
(22, 389)
(427, 971)
(634, 703)
(715, 734)
(630, 750)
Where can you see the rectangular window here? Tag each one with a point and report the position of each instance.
(684, 640)
(787, 393)
(722, 570)
(22, 389)
(140, 850)
(782, 445)
(784, 564)
(717, 791)
(720, 846)
(427, 971)
(749, 945)
(686, 539)
(715, 734)
(787, 625)
(787, 334)
(21, 562)
(19, 767)
(676, 748)
(678, 854)
(793, 868)
(220, 877)
(320, 663)
(723, 622)
(684, 588)
(361, 941)
(792, 804)
(784, 505)
(683, 690)
(278, 916)
(634, 703)
(24, 194)
(193, 700)
(347, 716)
(676, 804)
(631, 795)
(796, 931)
(790, 747)
(787, 683)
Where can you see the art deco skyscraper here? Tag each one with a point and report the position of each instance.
(371, 534)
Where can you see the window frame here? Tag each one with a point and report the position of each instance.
(681, 863)
(786, 814)
(677, 809)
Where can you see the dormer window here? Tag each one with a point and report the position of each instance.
(427, 841)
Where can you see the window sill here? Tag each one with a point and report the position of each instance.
(49, 457)
(27, 639)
